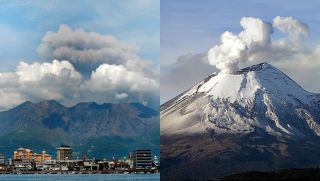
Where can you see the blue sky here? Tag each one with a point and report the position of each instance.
(192, 27)
(24, 23)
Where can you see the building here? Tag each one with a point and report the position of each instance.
(27, 154)
(2, 162)
(47, 165)
(1, 159)
(23, 164)
(42, 157)
(8, 164)
(90, 164)
(27, 159)
(64, 153)
(142, 159)
(22, 154)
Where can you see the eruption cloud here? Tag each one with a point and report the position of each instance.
(254, 42)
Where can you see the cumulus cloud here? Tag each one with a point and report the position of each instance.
(118, 83)
(37, 71)
(255, 43)
(59, 80)
(109, 77)
(39, 81)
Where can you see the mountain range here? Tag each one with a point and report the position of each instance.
(255, 119)
(96, 130)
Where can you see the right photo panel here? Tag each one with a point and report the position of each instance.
(240, 90)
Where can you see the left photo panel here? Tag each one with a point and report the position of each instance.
(79, 90)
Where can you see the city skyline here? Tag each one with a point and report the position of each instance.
(29, 161)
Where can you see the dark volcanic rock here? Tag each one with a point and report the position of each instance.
(202, 157)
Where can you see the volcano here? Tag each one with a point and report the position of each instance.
(257, 118)
(96, 130)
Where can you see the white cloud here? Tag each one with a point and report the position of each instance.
(109, 77)
(37, 71)
(59, 80)
(107, 81)
(39, 81)
(121, 95)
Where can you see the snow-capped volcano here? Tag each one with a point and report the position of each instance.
(260, 96)
(255, 119)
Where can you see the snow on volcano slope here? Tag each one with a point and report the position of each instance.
(259, 96)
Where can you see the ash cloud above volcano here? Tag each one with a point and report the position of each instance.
(282, 42)
(254, 43)
(81, 66)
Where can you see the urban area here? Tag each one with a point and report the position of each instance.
(26, 161)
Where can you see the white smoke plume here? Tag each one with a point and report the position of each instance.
(227, 55)
(294, 28)
(254, 42)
